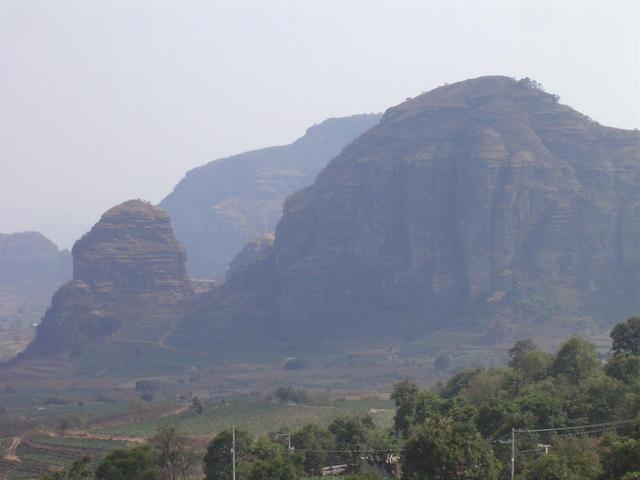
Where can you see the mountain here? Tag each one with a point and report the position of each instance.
(29, 257)
(31, 268)
(485, 204)
(218, 207)
(129, 281)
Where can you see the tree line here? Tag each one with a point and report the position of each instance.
(459, 431)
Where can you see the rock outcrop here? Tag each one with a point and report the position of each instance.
(220, 206)
(129, 281)
(485, 202)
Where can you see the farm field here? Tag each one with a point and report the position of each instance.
(257, 417)
(105, 427)
(38, 454)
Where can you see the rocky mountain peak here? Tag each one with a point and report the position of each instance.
(485, 202)
(128, 279)
(132, 249)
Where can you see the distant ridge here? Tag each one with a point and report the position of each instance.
(218, 207)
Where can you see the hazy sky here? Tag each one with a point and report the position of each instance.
(102, 101)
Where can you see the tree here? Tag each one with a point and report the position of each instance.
(429, 405)
(289, 394)
(626, 336)
(351, 434)
(599, 398)
(275, 468)
(69, 422)
(624, 367)
(405, 395)
(382, 450)
(519, 349)
(138, 463)
(543, 407)
(496, 417)
(196, 406)
(622, 458)
(79, 470)
(576, 359)
(217, 460)
(534, 365)
(551, 467)
(570, 459)
(444, 449)
(175, 452)
(315, 441)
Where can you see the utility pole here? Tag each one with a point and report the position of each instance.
(233, 453)
(290, 449)
(513, 453)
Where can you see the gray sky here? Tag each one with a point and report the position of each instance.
(101, 101)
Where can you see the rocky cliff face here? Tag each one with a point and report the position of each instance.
(482, 201)
(128, 281)
(220, 206)
(132, 250)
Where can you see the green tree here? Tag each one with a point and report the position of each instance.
(576, 360)
(351, 433)
(314, 441)
(79, 470)
(598, 399)
(217, 460)
(444, 449)
(626, 336)
(429, 405)
(496, 417)
(405, 396)
(196, 406)
(382, 450)
(519, 350)
(138, 463)
(551, 467)
(275, 468)
(534, 365)
(175, 452)
(621, 459)
(624, 367)
(542, 406)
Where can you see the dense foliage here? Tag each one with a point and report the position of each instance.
(574, 417)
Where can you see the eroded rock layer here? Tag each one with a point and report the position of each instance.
(129, 281)
(485, 201)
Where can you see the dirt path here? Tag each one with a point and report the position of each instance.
(98, 436)
(10, 451)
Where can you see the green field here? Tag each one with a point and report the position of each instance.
(107, 426)
(257, 417)
(40, 454)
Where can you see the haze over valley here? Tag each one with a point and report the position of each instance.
(368, 249)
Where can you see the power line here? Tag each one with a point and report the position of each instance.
(577, 427)
(559, 432)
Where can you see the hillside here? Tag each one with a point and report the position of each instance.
(478, 213)
(483, 206)
(31, 268)
(218, 207)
